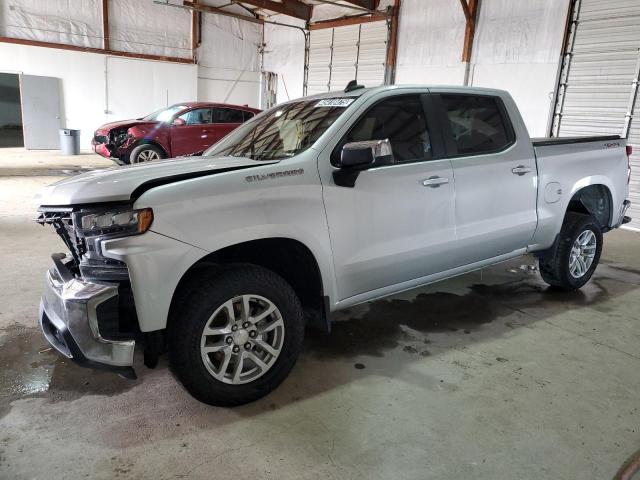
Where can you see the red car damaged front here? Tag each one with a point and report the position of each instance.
(116, 139)
(179, 130)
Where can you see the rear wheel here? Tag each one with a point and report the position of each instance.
(575, 256)
(235, 337)
(146, 153)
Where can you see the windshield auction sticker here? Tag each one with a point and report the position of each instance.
(335, 102)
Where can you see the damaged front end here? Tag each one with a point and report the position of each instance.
(115, 143)
(87, 311)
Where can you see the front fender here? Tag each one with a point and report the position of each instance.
(156, 264)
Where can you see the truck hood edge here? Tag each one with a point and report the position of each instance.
(127, 183)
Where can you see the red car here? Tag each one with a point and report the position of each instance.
(183, 129)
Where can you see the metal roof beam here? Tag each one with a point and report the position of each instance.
(208, 9)
(292, 8)
(368, 4)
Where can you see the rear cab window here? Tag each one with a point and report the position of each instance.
(475, 124)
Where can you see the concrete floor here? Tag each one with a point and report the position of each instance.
(487, 376)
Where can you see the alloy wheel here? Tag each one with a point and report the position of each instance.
(147, 156)
(582, 254)
(242, 339)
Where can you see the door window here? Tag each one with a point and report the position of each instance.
(229, 115)
(401, 120)
(476, 123)
(197, 116)
(247, 115)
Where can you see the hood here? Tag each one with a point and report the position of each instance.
(128, 182)
(124, 124)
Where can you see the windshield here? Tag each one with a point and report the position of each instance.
(164, 115)
(283, 131)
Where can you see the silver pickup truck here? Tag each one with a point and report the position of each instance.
(313, 206)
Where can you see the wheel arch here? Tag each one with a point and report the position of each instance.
(287, 257)
(594, 199)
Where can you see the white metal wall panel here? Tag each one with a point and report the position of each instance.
(373, 53)
(345, 56)
(339, 55)
(634, 186)
(319, 68)
(599, 76)
(599, 70)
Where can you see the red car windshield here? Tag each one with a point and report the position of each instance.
(164, 115)
(283, 131)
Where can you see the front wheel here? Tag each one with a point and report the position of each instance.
(235, 337)
(146, 153)
(576, 254)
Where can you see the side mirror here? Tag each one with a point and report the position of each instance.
(178, 122)
(358, 156)
(366, 154)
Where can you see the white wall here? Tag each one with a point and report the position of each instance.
(517, 48)
(135, 87)
(73, 22)
(430, 40)
(284, 55)
(145, 27)
(229, 61)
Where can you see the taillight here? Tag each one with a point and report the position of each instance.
(629, 152)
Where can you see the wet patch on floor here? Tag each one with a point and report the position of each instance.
(29, 367)
(386, 324)
(26, 365)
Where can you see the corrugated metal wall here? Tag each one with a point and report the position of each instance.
(634, 186)
(599, 78)
(339, 55)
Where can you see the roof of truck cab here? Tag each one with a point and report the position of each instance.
(361, 91)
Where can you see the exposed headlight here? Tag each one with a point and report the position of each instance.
(121, 220)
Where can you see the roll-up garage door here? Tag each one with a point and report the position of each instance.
(634, 186)
(341, 54)
(599, 78)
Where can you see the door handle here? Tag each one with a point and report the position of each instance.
(521, 170)
(434, 182)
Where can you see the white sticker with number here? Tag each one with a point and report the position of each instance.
(335, 102)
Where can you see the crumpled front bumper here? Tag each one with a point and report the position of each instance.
(69, 312)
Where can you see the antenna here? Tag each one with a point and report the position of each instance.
(352, 85)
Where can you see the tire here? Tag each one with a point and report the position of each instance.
(147, 152)
(558, 268)
(208, 375)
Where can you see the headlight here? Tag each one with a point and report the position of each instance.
(116, 220)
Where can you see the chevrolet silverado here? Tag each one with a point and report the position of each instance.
(313, 206)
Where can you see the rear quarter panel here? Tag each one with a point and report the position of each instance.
(571, 167)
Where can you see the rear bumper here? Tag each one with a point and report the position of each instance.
(69, 311)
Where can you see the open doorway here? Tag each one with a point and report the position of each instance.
(10, 111)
